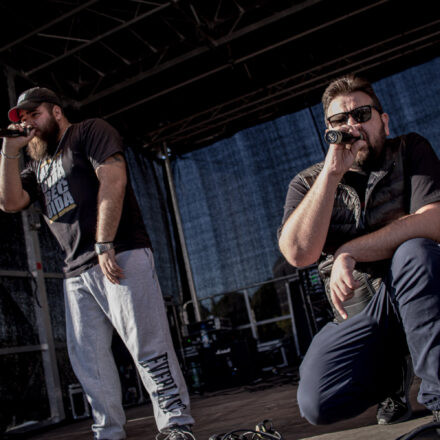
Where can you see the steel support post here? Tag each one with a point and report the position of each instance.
(51, 373)
(181, 234)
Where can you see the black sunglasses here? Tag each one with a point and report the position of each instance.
(359, 114)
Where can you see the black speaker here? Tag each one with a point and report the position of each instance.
(228, 362)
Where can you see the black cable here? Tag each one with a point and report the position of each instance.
(412, 434)
(257, 435)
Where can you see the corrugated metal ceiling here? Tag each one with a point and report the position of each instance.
(190, 72)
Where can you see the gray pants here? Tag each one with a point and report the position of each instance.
(135, 308)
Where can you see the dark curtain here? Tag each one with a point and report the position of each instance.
(148, 180)
(231, 196)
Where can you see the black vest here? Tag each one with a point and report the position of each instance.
(385, 201)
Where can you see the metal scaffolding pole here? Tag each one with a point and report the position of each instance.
(51, 373)
(180, 232)
(251, 315)
(42, 314)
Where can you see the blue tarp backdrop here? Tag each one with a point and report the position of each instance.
(231, 194)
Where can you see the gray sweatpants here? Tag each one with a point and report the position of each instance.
(135, 308)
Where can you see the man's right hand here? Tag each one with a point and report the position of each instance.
(13, 197)
(340, 157)
(12, 145)
(110, 267)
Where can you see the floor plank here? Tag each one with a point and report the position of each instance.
(244, 407)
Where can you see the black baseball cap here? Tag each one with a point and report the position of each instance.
(31, 99)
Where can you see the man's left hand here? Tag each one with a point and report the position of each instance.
(109, 267)
(342, 282)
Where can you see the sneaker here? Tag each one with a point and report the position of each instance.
(396, 408)
(182, 432)
(392, 410)
(436, 420)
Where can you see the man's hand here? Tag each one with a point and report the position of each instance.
(13, 145)
(340, 157)
(342, 282)
(109, 267)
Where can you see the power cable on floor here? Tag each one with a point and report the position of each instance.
(262, 431)
(432, 426)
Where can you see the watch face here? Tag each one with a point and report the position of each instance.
(102, 248)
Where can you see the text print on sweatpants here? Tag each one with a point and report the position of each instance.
(159, 370)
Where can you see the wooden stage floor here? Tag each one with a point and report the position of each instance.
(244, 407)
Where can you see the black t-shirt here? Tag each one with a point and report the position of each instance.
(67, 190)
(422, 174)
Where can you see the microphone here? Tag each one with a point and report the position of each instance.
(10, 133)
(341, 137)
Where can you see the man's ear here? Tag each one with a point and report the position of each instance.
(57, 112)
(386, 119)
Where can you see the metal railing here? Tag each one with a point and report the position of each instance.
(5, 273)
(253, 323)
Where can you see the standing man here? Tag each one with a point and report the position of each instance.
(370, 212)
(77, 173)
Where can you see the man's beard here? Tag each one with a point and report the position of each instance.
(372, 158)
(41, 146)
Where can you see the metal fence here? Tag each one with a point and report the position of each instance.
(300, 300)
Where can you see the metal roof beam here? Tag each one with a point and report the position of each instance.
(146, 2)
(47, 25)
(62, 37)
(371, 61)
(149, 45)
(110, 17)
(200, 50)
(116, 54)
(98, 72)
(99, 38)
(222, 67)
(281, 84)
(324, 81)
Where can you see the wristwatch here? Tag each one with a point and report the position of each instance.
(103, 247)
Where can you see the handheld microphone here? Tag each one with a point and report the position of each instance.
(341, 137)
(10, 133)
